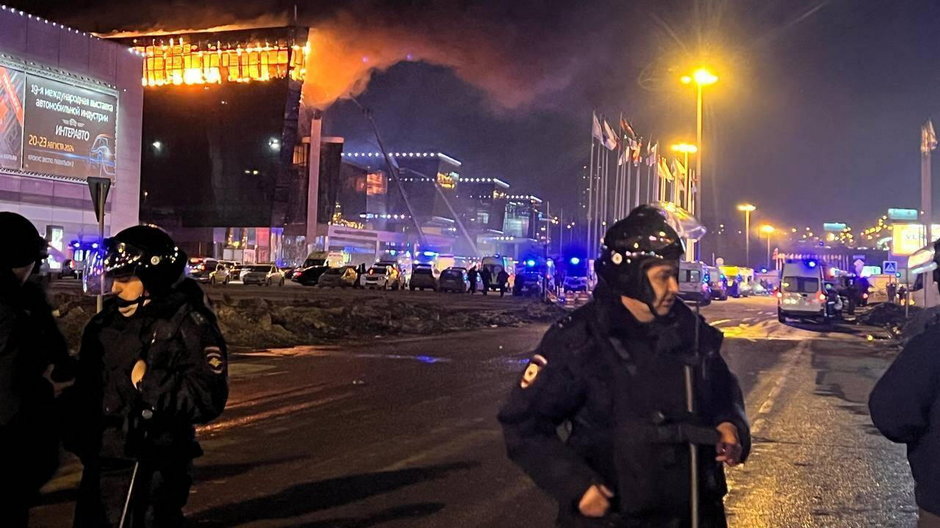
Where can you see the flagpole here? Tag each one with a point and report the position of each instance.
(590, 192)
(928, 143)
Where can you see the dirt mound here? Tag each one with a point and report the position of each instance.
(261, 323)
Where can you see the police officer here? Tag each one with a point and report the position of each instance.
(152, 364)
(614, 373)
(904, 407)
(34, 368)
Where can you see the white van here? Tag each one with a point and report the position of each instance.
(693, 286)
(802, 291)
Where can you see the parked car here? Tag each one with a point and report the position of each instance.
(264, 274)
(576, 283)
(454, 280)
(802, 292)
(222, 274)
(381, 277)
(308, 276)
(342, 277)
(200, 268)
(717, 283)
(693, 286)
(424, 277)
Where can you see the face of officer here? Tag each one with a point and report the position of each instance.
(663, 279)
(22, 273)
(128, 289)
(665, 286)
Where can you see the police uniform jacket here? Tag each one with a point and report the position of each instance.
(186, 381)
(618, 388)
(30, 341)
(905, 407)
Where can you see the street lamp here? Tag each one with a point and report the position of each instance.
(768, 230)
(701, 77)
(747, 209)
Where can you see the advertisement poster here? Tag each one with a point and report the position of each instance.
(69, 131)
(11, 117)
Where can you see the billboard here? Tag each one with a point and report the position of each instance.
(11, 117)
(68, 131)
(908, 238)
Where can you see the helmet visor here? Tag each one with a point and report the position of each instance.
(686, 225)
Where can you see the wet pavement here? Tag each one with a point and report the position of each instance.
(402, 433)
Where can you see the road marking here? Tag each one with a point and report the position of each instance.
(768, 405)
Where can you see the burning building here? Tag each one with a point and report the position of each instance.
(224, 166)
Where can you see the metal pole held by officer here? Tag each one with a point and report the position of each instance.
(639, 380)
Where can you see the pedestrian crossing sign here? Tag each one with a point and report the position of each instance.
(889, 267)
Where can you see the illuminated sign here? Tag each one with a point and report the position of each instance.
(11, 117)
(902, 214)
(68, 131)
(908, 238)
(835, 227)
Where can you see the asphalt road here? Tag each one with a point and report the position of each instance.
(403, 433)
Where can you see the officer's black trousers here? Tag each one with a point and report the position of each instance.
(161, 489)
(29, 456)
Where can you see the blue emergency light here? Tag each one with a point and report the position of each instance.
(575, 261)
(530, 263)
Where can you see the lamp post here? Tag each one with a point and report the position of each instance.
(747, 209)
(768, 230)
(701, 77)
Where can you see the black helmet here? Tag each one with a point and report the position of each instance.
(634, 244)
(23, 245)
(147, 252)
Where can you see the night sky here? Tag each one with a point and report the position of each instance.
(816, 116)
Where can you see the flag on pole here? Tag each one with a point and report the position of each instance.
(636, 146)
(610, 137)
(680, 171)
(596, 131)
(627, 129)
(652, 153)
(928, 138)
(663, 170)
(625, 154)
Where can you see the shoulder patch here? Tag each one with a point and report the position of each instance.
(214, 359)
(536, 364)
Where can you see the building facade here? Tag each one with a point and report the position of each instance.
(70, 109)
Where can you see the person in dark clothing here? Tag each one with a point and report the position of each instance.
(904, 408)
(892, 290)
(152, 364)
(34, 368)
(472, 276)
(613, 373)
(486, 277)
(502, 281)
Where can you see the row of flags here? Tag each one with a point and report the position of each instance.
(630, 145)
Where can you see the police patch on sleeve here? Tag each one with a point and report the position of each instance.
(214, 359)
(536, 364)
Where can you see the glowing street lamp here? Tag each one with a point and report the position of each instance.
(701, 77)
(747, 209)
(768, 230)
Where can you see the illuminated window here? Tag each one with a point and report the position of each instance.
(178, 63)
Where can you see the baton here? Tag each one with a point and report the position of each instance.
(130, 493)
(690, 406)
